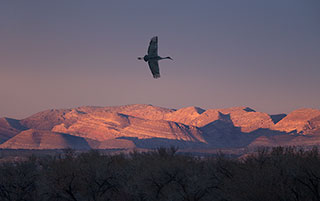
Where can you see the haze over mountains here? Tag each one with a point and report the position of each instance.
(147, 126)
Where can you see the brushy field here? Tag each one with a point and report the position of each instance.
(275, 174)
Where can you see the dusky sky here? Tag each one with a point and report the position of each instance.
(63, 54)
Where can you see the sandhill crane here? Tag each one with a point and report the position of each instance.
(152, 57)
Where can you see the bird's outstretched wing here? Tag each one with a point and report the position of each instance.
(154, 67)
(153, 46)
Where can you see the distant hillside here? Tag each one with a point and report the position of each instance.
(147, 126)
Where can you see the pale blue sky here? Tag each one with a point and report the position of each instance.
(62, 54)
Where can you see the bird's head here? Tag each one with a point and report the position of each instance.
(169, 58)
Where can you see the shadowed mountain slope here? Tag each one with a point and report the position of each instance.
(245, 118)
(9, 128)
(286, 140)
(277, 117)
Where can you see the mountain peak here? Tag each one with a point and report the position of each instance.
(185, 115)
(297, 120)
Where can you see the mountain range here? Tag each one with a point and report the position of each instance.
(147, 126)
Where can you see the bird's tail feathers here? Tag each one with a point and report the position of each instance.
(156, 76)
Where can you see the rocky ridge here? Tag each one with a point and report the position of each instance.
(147, 126)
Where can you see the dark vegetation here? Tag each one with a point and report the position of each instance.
(278, 174)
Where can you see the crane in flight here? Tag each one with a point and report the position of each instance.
(152, 57)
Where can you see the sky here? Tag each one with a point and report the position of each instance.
(65, 54)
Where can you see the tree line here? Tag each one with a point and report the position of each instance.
(277, 174)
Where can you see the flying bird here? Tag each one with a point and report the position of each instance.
(152, 57)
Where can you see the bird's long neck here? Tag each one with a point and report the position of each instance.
(165, 57)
